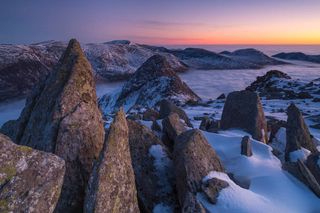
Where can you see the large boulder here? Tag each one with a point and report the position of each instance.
(243, 110)
(297, 133)
(194, 159)
(153, 168)
(152, 82)
(30, 180)
(112, 183)
(62, 116)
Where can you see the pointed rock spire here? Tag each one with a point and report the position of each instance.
(297, 133)
(62, 117)
(112, 184)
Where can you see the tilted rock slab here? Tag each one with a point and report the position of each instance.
(194, 158)
(153, 168)
(112, 184)
(243, 110)
(30, 180)
(297, 133)
(62, 116)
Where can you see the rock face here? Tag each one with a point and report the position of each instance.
(243, 110)
(153, 168)
(246, 146)
(150, 115)
(152, 82)
(112, 184)
(194, 158)
(313, 164)
(62, 117)
(30, 180)
(278, 85)
(297, 133)
(298, 56)
(309, 179)
(171, 128)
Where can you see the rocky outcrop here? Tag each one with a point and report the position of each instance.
(62, 117)
(172, 127)
(309, 179)
(212, 187)
(153, 168)
(194, 158)
(246, 146)
(112, 183)
(167, 107)
(297, 133)
(152, 82)
(278, 85)
(298, 56)
(30, 180)
(243, 110)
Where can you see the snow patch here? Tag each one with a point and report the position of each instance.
(301, 154)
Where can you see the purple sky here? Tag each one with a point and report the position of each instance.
(162, 22)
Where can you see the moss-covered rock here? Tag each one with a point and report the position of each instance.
(30, 180)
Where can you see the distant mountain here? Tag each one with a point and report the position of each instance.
(22, 66)
(298, 56)
(252, 57)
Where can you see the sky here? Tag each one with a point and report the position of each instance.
(166, 22)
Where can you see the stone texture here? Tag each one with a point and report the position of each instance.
(167, 107)
(246, 146)
(155, 183)
(30, 180)
(112, 183)
(62, 116)
(297, 133)
(314, 165)
(194, 158)
(310, 180)
(172, 127)
(243, 110)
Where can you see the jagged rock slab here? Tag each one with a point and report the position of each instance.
(298, 56)
(152, 82)
(112, 184)
(194, 158)
(243, 110)
(62, 117)
(297, 133)
(30, 180)
(153, 168)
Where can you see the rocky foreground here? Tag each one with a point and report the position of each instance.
(149, 155)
